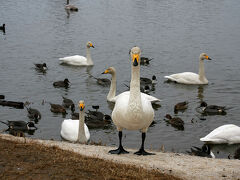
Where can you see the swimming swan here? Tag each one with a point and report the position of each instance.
(79, 60)
(189, 77)
(133, 111)
(111, 97)
(225, 134)
(74, 130)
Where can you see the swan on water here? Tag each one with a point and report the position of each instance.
(78, 60)
(111, 97)
(190, 77)
(74, 130)
(133, 111)
(225, 134)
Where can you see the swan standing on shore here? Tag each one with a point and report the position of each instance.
(189, 77)
(76, 131)
(225, 134)
(78, 60)
(111, 97)
(133, 111)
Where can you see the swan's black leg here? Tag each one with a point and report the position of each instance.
(120, 149)
(141, 150)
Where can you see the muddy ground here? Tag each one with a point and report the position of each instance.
(33, 161)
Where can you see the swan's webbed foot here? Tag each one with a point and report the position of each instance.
(119, 150)
(143, 152)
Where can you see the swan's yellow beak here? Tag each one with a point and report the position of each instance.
(91, 45)
(208, 58)
(106, 71)
(81, 106)
(135, 59)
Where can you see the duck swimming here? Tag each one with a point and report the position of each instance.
(145, 60)
(41, 67)
(20, 125)
(57, 108)
(175, 122)
(79, 60)
(144, 81)
(111, 97)
(2, 28)
(102, 81)
(70, 7)
(68, 103)
(189, 77)
(76, 130)
(212, 109)
(181, 106)
(133, 111)
(33, 114)
(64, 83)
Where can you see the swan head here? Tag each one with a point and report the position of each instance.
(204, 56)
(110, 70)
(135, 55)
(89, 44)
(81, 105)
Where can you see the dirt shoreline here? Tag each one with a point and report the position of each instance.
(176, 165)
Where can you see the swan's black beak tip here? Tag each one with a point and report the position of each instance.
(135, 63)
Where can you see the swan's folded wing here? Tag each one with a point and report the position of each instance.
(75, 60)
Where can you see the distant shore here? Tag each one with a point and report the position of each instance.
(173, 165)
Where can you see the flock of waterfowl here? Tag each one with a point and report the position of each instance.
(133, 109)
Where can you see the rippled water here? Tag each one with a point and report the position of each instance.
(172, 32)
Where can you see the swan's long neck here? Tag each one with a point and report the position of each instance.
(135, 94)
(89, 58)
(112, 91)
(81, 132)
(201, 72)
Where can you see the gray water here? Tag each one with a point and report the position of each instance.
(172, 32)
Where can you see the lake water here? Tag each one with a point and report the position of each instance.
(172, 32)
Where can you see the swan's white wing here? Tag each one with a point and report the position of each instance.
(228, 133)
(185, 78)
(152, 99)
(74, 60)
(69, 130)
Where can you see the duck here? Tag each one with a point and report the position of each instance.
(204, 151)
(78, 60)
(64, 83)
(111, 97)
(20, 125)
(133, 111)
(102, 81)
(16, 133)
(144, 81)
(70, 7)
(145, 60)
(34, 114)
(76, 131)
(68, 103)
(57, 108)
(2, 28)
(212, 109)
(225, 134)
(190, 77)
(2, 97)
(181, 106)
(41, 67)
(175, 122)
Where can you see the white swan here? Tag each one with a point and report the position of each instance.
(111, 97)
(225, 134)
(189, 77)
(74, 130)
(133, 111)
(79, 60)
(70, 7)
